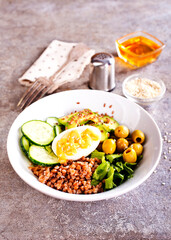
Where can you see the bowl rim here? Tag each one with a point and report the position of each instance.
(74, 197)
(144, 55)
(143, 100)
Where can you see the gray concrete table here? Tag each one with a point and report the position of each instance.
(26, 28)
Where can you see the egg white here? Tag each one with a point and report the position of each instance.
(80, 152)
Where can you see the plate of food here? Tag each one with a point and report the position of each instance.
(84, 145)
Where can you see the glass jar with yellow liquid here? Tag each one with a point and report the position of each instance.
(139, 48)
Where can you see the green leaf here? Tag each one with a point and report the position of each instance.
(129, 176)
(117, 169)
(109, 184)
(94, 182)
(128, 169)
(103, 159)
(112, 157)
(97, 154)
(120, 165)
(101, 171)
(130, 164)
(118, 178)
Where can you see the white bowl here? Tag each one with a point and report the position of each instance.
(143, 101)
(59, 104)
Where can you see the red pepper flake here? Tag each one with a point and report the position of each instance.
(110, 106)
(104, 105)
(78, 102)
(112, 112)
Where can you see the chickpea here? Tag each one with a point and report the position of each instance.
(138, 148)
(109, 146)
(121, 132)
(138, 136)
(121, 144)
(130, 155)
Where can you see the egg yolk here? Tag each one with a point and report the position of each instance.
(69, 144)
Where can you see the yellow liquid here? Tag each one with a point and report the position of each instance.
(139, 51)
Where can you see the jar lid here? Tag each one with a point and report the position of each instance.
(102, 58)
(103, 72)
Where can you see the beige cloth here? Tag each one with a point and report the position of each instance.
(52, 59)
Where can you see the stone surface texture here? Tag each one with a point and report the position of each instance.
(26, 28)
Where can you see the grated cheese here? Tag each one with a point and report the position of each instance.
(143, 88)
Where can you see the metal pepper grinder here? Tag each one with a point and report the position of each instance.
(102, 76)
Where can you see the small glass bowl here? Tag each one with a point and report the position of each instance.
(138, 60)
(143, 101)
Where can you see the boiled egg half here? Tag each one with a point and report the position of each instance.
(74, 143)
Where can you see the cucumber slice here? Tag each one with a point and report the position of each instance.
(52, 121)
(24, 143)
(38, 132)
(57, 130)
(39, 155)
(48, 148)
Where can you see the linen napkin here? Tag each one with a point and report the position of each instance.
(52, 59)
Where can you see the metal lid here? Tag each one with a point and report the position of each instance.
(102, 76)
(102, 58)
